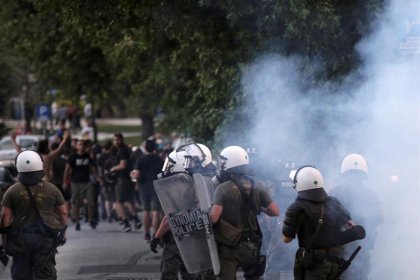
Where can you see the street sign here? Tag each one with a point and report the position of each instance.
(43, 112)
(411, 43)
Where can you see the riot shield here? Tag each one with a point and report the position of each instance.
(179, 202)
(203, 186)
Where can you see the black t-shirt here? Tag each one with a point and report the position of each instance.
(106, 161)
(123, 153)
(80, 165)
(149, 166)
(58, 166)
(101, 162)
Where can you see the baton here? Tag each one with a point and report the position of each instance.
(347, 263)
(54, 245)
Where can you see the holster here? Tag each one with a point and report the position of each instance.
(310, 258)
(260, 266)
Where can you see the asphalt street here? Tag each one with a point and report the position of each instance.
(105, 253)
(108, 253)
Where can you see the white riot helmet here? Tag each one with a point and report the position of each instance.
(195, 152)
(30, 167)
(354, 162)
(232, 159)
(174, 163)
(308, 178)
(207, 154)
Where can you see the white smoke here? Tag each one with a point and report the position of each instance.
(392, 137)
(377, 116)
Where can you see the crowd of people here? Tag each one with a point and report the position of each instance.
(113, 182)
(102, 181)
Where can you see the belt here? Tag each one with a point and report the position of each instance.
(250, 236)
(37, 231)
(330, 251)
(329, 254)
(32, 231)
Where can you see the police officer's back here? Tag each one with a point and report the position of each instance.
(317, 220)
(236, 203)
(32, 223)
(356, 195)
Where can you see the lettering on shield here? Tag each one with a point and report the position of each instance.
(187, 223)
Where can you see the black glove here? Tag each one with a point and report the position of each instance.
(154, 243)
(4, 259)
(62, 241)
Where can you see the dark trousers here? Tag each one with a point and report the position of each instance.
(322, 270)
(231, 258)
(27, 265)
(172, 264)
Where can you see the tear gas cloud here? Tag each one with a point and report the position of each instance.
(377, 116)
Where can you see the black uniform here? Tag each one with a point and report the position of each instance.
(319, 254)
(354, 193)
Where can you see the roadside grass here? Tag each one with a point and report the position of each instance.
(131, 140)
(134, 141)
(106, 128)
(118, 128)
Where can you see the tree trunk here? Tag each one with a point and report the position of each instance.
(148, 125)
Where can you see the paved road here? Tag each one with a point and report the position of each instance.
(108, 253)
(105, 253)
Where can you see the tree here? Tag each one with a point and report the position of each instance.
(184, 58)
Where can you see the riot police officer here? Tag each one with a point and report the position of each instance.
(188, 159)
(353, 192)
(236, 203)
(171, 261)
(33, 212)
(317, 220)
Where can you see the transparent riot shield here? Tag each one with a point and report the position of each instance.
(178, 198)
(203, 186)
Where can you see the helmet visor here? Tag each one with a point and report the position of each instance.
(194, 152)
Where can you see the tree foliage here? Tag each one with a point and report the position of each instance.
(182, 57)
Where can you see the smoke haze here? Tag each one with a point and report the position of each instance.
(377, 116)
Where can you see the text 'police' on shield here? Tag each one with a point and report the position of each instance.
(185, 224)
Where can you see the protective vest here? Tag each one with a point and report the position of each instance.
(302, 219)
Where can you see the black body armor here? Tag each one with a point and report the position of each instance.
(302, 219)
